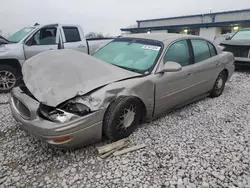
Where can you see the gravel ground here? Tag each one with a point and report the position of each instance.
(205, 144)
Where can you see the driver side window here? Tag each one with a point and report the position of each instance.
(45, 36)
(179, 53)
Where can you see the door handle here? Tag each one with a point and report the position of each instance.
(217, 64)
(81, 46)
(190, 73)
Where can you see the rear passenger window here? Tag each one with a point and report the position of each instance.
(71, 34)
(212, 49)
(201, 50)
(179, 53)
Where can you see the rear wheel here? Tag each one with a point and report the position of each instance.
(8, 78)
(219, 85)
(122, 117)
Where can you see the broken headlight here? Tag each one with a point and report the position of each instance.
(55, 114)
(61, 116)
(77, 108)
(64, 113)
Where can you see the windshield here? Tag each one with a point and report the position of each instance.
(19, 35)
(136, 55)
(242, 35)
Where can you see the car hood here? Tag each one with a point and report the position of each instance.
(236, 42)
(56, 76)
(10, 47)
(4, 39)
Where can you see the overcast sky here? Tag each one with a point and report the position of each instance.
(106, 16)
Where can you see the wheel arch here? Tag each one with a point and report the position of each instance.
(227, 73)
(13, 63)
(144, 109)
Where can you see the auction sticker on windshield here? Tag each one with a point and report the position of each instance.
(150, 47)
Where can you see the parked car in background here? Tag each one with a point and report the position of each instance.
(132, 79)
(223, 37)
(31, 41)
(3, 40)
(239, 45)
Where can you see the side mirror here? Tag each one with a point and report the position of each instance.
(171, 66)
(29, 42)
(228, 38)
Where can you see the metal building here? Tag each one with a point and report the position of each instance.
(207, 25)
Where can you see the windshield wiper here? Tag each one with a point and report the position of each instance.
(129, 69)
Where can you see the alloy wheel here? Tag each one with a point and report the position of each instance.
(126, 118)
(7, 80)
(219, 83)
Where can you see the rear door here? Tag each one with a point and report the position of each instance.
(206, 65)
(73, 39)
(46, 38)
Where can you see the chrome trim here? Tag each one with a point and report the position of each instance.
(15, 108)
(249, 53)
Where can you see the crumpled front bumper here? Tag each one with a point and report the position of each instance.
(84, 131)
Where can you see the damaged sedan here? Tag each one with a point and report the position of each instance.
(71, 99)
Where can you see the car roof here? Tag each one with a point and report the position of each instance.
(63, 25)
(163, 37)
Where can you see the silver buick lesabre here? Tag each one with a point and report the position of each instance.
(71, 99)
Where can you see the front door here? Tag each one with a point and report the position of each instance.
(44, 39)
(175, 88)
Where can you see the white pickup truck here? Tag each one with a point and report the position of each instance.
(30, 41)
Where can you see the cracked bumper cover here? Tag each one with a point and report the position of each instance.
(84, 130)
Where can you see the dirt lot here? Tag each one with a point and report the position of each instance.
(205, 144)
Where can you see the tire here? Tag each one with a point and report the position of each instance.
(219, 85)
(9, 73)
(113, 129)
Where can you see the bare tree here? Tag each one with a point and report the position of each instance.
(93, 35)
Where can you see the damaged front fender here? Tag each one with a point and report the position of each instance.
(141, 88)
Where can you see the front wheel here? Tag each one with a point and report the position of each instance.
(122, 117)
(219, 85)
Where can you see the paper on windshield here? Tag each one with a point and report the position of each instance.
(150, 47)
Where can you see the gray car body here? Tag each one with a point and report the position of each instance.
(159, 92)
